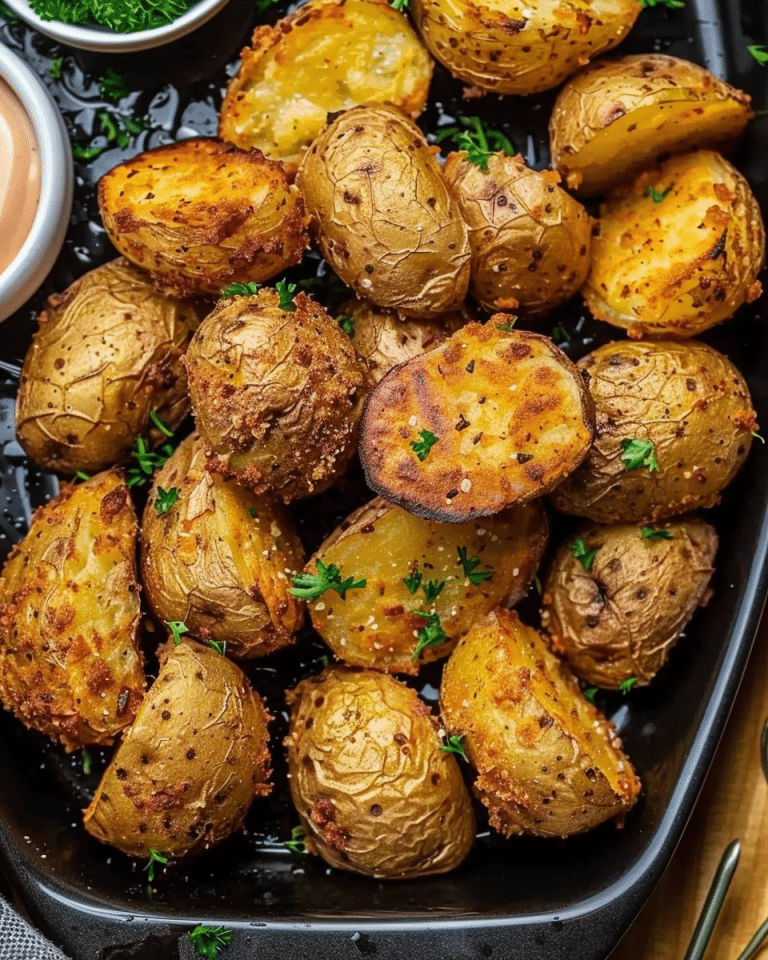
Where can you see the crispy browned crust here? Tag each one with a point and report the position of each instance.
(248, 225)
(511, 414)
(374, 791)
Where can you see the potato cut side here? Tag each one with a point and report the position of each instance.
(616, 117)
(548, 762)
(491, 418)
(327, 56)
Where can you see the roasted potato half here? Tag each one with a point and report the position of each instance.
(201, 214)
(220, 560)
(374, 791)
(677, 251)
(616, 117)
(327, 56)
(492, 417)
(384, 340)
(277, 395)
(106, 354)
(617, 598)
(414, 571)
(185, 774)
(530, 240)
(70, 665)
(386, 220)
(510, 46)
(674, 424)
(548, 762)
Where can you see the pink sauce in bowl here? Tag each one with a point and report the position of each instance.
(19, 175)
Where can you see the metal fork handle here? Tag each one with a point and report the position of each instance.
(714, 902)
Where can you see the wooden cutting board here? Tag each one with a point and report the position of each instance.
(733, 805)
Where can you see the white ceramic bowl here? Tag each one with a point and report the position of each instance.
(103, 40)
(34, 261)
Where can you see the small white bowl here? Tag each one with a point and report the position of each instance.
(33, 262)
(103, 40)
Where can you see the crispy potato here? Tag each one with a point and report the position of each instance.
(200, 214)
(277, 395)
(510, 46)
(70, 665)
(548, 762)
(387, 222)
(180, 781)
(384, 340)
(685, 399)
(375, 626)
(530, 240)
(221, 559)
(678, 250)
(490, 418)
(621, 617)
(107, 353)
(617, 117)
(327, 56)
(374, 791)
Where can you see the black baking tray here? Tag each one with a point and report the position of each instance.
(522, 899)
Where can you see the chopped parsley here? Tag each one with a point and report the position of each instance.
(760, 53)
(82, 476)
(263, 5)
(672, 4)
(432, 589)
(537, 584)
(154, 857)
(159, 424)
(210, 941)
(400, 5)
(165, 499)
(311, 586)
(469, 566)
(220, 646)
(422, 447)
(297, 844)
(86, 154)
(149, 460)
(240, 290)
(253, 512)
(177, 628)
(639, 453)
(560, 334)
(651, 533)
(128, 16)
(626, 685)
(586, 558)
(590, 693)
(478, 141)
(286, 292)
(114, 86)
(657, 195)
(413, 581)
(757, 436)
(507, 327)
(87, 761)
(324, 662)
(347, 324)
(455, 745)
(55, 68)
(430, 635)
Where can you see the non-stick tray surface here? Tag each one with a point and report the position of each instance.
(523, 899)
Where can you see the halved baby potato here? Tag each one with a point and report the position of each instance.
(618, 116)
(491, 418)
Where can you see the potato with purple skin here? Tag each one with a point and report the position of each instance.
(186, 772)
(375, 792)
(615, 610)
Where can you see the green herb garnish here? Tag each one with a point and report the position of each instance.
(86, 154)
(413, 581)
(148, 461)
(153, 416)
(469, 565)
(253, 512)
(651, 533)
(296, 844)
(165, 499)
(286, 292)
(87, 761)
(657, 195)
(626, 685)
(585, 558)
(507, 327)
(82, 476)
(432, 589)
(639, 453)
(311, 586)
(455, 745)
(422, 447)
(113, 86)
(263, 5)
(672, 4)
(154, 857)
(324, 662)
(178, 629)
(559, 333)
(240, 290)
(430, 635)
(129, 16)
(760, 53)
(589, 693)
(347, 324)
(757, 436)
(477, 140)
(537, 584)
(220, 646)
(55, 68)
(210, 941)
(400, 5)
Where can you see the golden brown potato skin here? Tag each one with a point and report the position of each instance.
(327, 56)
(510, 412)
(689, 401)
(277, 396)
(180, 781)
(386, 221)
(221, 559)
(511, 46)
(548, 762)
(107, 352)
(621, 618)
(384, 340)
(530, 240)
(381, 543)
(374, 791)
(679, 266)
(70, 665)
(617, 116)
(200, 214)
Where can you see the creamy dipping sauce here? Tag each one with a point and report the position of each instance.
(19, 175)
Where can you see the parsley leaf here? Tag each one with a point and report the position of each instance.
(757, 436)
(579, 550)
(148, 460)
(347, 324)
(477, 141)
(113, 86)
(650, 533)
(159, 423)
(86, 154)
(154, 857)
(240, 290)
(296, 844)
(55, 68)
(469, 565)
(589, 693)
(455, 745)
(507, 327)
(422, 447)
(177, 628)
(82, 476)
(400, 5)
(263, 5)
(560, 334)
(657, 195)
(220, 646)
(311, 586)
(209, 941)
(626, 685)
(286, 292)
(165, 499)
(639, 453)
(760, 53)
(128, 16)
(413, 581)
(87, 761)
(672, 4)
(432, 589)
(430, 635)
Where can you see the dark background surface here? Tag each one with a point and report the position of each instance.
(523, 898)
